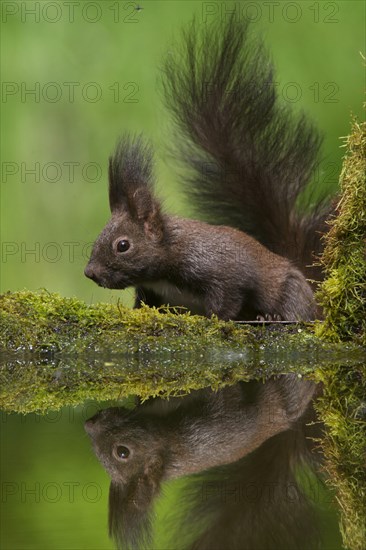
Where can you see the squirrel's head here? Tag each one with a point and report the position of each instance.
(130, 248)
(130, 449)
(127, 443)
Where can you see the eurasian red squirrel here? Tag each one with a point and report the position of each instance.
(248, 159)
(240, 447)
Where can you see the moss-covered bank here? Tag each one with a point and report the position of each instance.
(44, 324)
(342, 408)
(343, 292)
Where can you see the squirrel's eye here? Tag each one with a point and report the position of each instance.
(123, 245)
(122, 452)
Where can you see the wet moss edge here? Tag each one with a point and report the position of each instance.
(45, 324)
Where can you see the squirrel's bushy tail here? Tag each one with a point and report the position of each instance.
(249, 158)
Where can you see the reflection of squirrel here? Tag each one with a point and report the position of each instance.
(247, 160)
(244, 444)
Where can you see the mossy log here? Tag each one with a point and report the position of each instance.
(59, 351)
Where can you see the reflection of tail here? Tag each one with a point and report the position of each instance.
(254, 504)
(240, 448)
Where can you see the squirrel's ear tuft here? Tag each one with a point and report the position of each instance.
(130, 510)
(146, 210)
(130, 168)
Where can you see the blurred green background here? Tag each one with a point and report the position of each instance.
(93, 68)
(75, 77)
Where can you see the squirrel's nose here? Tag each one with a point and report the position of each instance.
(91, 425)
(89, 272)
(95, 424)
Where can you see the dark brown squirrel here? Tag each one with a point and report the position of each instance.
(243, 445)
(247, 162)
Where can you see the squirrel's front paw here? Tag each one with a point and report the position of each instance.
(268, 317)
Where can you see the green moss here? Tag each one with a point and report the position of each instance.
(46, 325)
(44, 322)
(58, 351)
(343, 293)
(342, 408)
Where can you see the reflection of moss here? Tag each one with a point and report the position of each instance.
(343, 293)
(342, 408)
(39, 385)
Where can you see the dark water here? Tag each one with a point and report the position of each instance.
(234, 468)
